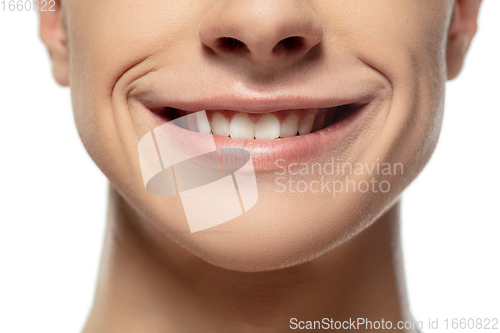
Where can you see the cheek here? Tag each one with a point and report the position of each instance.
(393, 36)
(405, 41)
(106, 39)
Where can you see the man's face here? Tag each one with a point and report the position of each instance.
(130, 61)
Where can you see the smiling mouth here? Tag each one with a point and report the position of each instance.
(289, 129)
(265, 126)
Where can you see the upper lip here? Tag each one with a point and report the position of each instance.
(262, 104)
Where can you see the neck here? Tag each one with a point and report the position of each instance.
(147, 283)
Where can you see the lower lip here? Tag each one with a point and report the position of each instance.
(267, 155)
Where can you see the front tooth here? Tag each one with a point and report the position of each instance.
(242, 127)
(319, 123)
(289, 127)
(267, 127)
(220, 125)
(203, 124)
(306, 125)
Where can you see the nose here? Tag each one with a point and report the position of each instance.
(263, 31)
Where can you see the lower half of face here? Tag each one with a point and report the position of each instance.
(258, 134)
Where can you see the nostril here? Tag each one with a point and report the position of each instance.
(294, 43)
(231, 44)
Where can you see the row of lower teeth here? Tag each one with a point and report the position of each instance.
(267, 127)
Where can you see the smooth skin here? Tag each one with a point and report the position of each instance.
(310, 257)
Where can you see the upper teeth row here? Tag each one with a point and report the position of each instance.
(267, 127)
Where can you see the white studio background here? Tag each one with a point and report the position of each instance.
(52, 208)
(451, 216)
